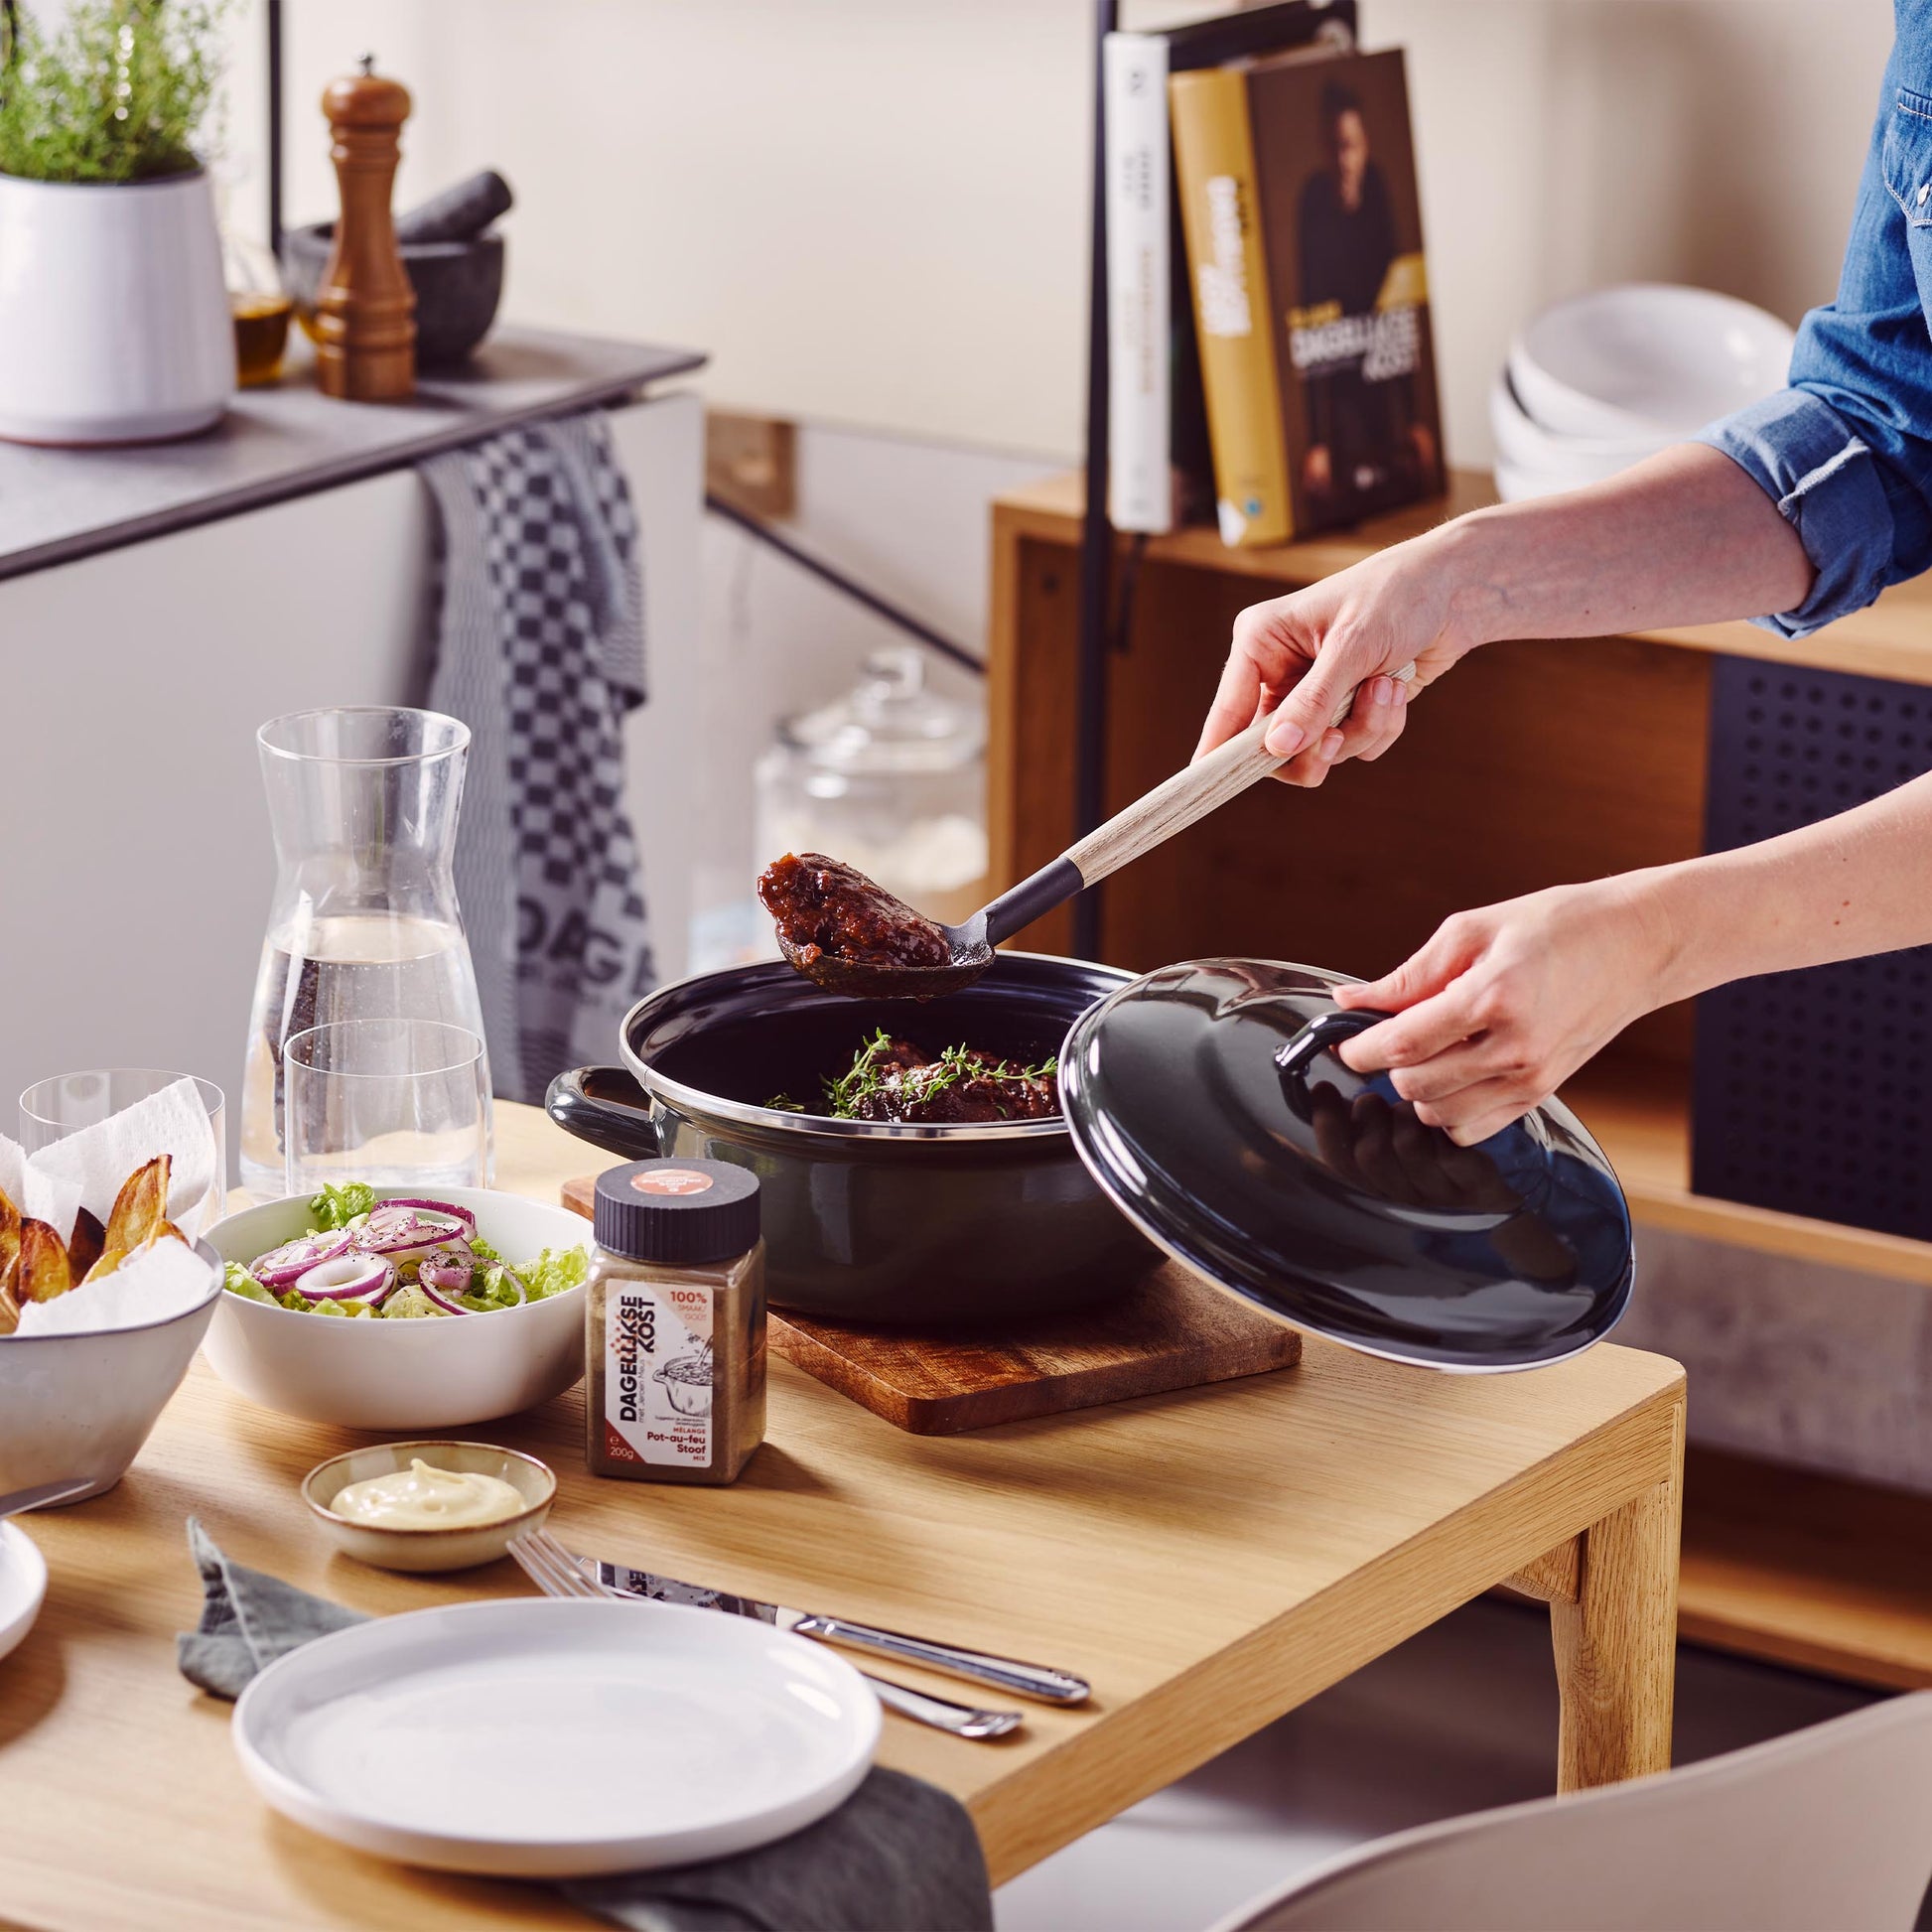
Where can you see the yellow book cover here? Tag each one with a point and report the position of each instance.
(1220, 219)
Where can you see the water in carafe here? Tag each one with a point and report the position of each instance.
(363, 805)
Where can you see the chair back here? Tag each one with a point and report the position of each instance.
(1819, 1831)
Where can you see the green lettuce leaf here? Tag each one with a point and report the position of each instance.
(335, 1207)
(409, 1304)
(237, 1280)
(554, 1271)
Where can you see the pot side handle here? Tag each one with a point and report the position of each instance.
(606, 1106)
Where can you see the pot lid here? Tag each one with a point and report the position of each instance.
(1209, 1103)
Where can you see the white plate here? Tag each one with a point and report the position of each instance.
(1646, 357)
(23, 1584)
(545, 1739)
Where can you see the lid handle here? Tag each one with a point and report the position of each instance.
(1328, 1030)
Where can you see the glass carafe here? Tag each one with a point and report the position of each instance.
(363, 804)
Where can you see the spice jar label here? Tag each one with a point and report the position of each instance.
(658, 1361)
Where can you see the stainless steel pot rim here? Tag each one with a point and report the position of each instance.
(694, 1104)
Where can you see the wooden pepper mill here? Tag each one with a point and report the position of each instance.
(365, 309)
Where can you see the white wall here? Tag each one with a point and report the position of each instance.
(872, 211)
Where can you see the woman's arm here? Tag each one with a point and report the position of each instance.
(1503, 1005)
(1687, 537)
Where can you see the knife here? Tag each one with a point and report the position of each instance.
(1021, 1680)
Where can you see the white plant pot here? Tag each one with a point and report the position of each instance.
(114, 323)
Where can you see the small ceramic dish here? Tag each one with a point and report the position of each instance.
(456, 1547)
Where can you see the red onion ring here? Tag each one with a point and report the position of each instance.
(281, 1267)
(445, 1269)
(449, 1208)
(441, 1297)
(407, 1233)
(348, 1278)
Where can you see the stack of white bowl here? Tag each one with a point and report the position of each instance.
(1602, 381)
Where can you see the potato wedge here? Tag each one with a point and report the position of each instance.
(9, 1313)
(110, 1259)
(84, 1245)
(165, 1230)
(142, 1202)
(9, 1243)
(43, 1270)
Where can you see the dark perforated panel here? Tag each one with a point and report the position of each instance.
(1814, 1091)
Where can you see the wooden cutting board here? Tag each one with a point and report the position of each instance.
(1171, 1331)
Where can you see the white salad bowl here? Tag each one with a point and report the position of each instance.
(79, 1406)
(1646, 357)
(432, 1374)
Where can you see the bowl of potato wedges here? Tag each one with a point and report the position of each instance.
(97, 1326)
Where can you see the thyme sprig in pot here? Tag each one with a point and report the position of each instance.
(877, 1067)
(122, 91)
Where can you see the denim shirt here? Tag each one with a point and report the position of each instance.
(1846, 450)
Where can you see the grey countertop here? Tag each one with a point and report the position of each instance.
(284, 440)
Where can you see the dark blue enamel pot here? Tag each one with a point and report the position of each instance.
(872, 1221)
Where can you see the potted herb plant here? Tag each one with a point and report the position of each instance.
(114, 323)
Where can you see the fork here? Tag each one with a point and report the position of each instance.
(555, 1572)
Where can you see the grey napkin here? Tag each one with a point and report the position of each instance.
(899, 1856)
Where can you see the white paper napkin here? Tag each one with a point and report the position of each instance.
(153, 1283)
(39, 1197)
(97, 1160)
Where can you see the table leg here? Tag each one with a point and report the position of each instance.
(1617, 1643)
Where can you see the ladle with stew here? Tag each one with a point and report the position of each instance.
(852, 936)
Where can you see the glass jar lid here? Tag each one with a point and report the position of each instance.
(1208, 1102)
(890, 721)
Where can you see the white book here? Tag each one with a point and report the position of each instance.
(1134, 84)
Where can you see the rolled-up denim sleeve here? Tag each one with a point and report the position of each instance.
(1846, 450)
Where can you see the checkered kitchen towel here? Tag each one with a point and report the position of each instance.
(540, 651)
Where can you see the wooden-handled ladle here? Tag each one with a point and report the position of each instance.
(1153, 818)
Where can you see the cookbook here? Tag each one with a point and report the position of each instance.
(1304, 236)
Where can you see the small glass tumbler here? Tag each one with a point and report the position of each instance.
(51, 1110)
(393, 1103)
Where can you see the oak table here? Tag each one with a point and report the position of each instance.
(1209, 1558)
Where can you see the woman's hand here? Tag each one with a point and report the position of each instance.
(1304, 653)
(1504, 1003)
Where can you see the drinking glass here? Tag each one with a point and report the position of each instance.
(51, 1110)
(363, 925)
(394, 1103)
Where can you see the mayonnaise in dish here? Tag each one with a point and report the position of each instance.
(422, 1497)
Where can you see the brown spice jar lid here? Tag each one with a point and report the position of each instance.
(677, 1211)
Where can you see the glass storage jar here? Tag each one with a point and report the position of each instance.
(890, 779)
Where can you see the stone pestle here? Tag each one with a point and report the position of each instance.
(459, 213)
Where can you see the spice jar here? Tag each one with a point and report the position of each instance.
(674, 1347)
